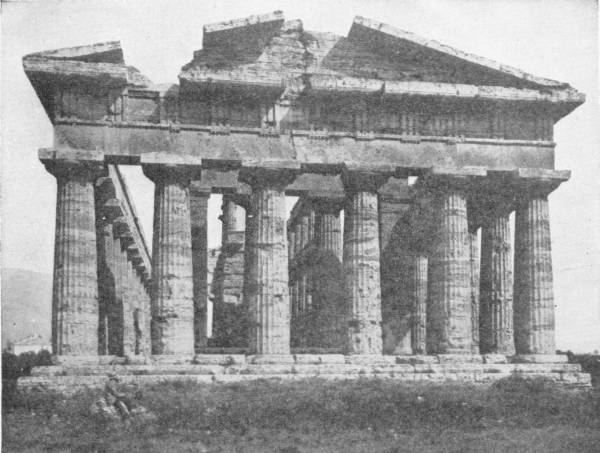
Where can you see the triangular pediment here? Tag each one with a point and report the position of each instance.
(270, 48)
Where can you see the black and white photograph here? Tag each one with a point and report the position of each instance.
(300, 226)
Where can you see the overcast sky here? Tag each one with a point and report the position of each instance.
(554, 39)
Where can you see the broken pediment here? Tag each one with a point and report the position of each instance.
(267, 50)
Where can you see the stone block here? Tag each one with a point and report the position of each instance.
(539, 358)
(459, 358)
(172, 359)
(546, 367)
(342, 369)
(577, 379)
(370, 359)
(270, 359)
(494, 358)
(267, 369)
(496, 368)
(395, 369)
(220, 359)
(413, 359)
(307, 370)
(319, 358)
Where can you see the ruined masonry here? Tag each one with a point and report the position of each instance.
(408, 158)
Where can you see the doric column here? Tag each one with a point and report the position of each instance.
(474, 273)
(75, 286)
(417, 292)
(496, 279)
(229, 326)
(172, 294)
(269, 303)
(328, 298)
(361, 262)
(106, 280)
(199, 195)
(533, 286)
(449, 329)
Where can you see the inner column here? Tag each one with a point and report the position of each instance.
(361, 267)
(449, 329)
(268, 293)
(172, 295)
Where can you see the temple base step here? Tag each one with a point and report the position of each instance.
(222, 369)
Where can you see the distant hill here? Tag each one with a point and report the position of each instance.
(26, 299)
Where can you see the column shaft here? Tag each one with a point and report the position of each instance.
(475, 277)
(269, 295)
(449, 308)
(198, 219)
(172, 301)
(328, 299)
(361, 273)
(534, 297)
(417, 292)
(75, 289)
(496, 308)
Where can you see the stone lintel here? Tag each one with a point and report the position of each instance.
(443, 178)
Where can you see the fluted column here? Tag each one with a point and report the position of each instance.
(269, 303)
(361, 268)
(75, 286)
(328, 298)
(172, 294)
(496, 281)
(417, 293)
(474, 259)
(199, 195)
(449, 320)
(533, 287)
(106, 281)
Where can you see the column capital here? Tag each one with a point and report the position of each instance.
(167, 168)
(327, 205)
(538, 182)
(170, 174)
(200, 189)
(269, 177)
(78, 165)
(363, 180)
(440, 179)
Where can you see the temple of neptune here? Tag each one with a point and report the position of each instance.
(399, 259)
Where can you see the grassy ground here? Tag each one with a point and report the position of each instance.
(319, 416)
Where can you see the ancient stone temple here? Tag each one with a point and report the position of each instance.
(408, 159)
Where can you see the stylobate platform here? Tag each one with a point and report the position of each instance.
(77, 373)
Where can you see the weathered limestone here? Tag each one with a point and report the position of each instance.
(199, 195)
(417, 293)
(475, 272)
(269, 304)
(106, 280)
(449, 329)
(328, 302)
(172, 295)
(75, 315)
(496, 306)
(533, 291)
(229, 323)
(361, 263)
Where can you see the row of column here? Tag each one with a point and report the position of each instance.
(179, 263)
(100, 302)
